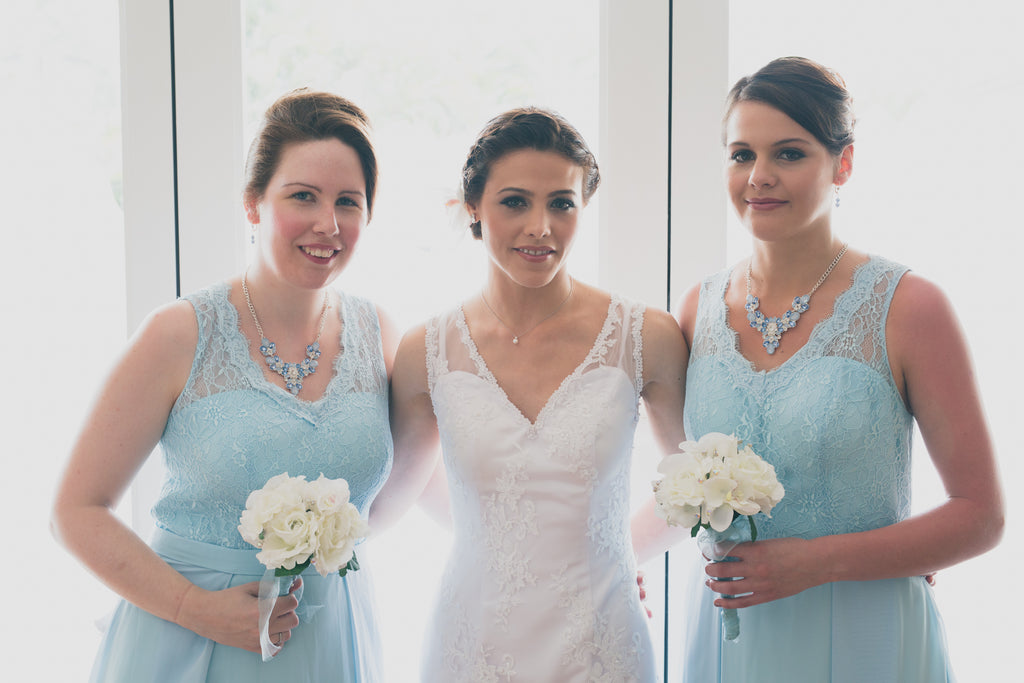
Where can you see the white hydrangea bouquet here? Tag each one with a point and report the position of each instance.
(296, 523)
(709, 485)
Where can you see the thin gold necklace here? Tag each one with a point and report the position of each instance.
(515, 336)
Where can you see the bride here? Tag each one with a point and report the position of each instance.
(533, 386)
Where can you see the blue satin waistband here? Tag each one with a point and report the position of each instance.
(206, 555)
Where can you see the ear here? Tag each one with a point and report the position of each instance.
(471, 210)
(252, 211)
(845, 166)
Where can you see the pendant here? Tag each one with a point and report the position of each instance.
(293, 373)
(772, 329)
(515, 339)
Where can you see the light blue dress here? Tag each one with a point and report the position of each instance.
(834, 426)
(227, 434)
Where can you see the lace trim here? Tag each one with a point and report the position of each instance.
(436, 366)
(858, 319)
(597, 354)
(638, 351)
(229, 365)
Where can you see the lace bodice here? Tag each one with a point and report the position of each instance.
(541, 585)
(231, 429)
(830, 419)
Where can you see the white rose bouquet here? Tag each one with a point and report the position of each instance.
(707, 486)
(296, 523)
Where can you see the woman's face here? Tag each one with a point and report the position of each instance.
(780, 177)
(312, 212)
(528, 213)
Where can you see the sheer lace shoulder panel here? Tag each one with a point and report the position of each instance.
(857, 329)
(359, 367)
(712, 335)
(216, 367)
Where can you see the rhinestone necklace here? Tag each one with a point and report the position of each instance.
(293, 373)
(515, 337)
(772, 329)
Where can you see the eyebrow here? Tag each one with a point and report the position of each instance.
(314, 187)
(528, 192)
(780, 143)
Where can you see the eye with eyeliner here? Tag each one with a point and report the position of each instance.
(740, 156)
(791, 154)
(514, 201)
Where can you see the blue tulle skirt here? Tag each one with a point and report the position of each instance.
(336, 639)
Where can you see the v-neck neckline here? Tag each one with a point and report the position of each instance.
(484, 372)
(815, 331)
(271, 387)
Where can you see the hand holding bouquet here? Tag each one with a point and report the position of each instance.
(296, 523)
(710, 483)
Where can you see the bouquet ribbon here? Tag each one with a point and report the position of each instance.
(717, 545)
(270, 591)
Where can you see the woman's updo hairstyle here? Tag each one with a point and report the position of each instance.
(305, 115)
(805, 91)
(525, 128)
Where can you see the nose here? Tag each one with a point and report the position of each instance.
(762, 174)
(326, 222)
(538, 225)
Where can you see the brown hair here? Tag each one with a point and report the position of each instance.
(805, 91)
(525, 128)
(305, 115)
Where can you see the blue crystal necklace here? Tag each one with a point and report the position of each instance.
(772, 329)
(293, 373)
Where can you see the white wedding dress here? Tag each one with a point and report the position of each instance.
(541, 583)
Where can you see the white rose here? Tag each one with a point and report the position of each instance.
(289, 538)
(279, 494)
(679, 495)
(328, 495)
(337, 538)
(758, 488)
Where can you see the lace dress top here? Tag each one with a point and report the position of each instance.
(541, 585)
(231, 429)
(830, 418)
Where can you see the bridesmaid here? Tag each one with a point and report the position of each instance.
(823, 357)
(194, 378)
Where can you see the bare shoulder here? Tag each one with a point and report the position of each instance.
(170, 329)
(919, 311)
(665, 349)
(410, 370)
(660, 327)
(388, 336)
(686, 311)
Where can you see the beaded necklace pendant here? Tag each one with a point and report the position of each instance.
(772, 329)
(293, 373)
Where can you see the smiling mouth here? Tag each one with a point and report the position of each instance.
(535, 252)
(319, 253)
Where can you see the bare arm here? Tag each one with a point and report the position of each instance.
(122, 429)
(933, 369)
(665, 359)
(414, 430)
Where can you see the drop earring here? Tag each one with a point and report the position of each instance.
(252, 235)
(837, 196)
